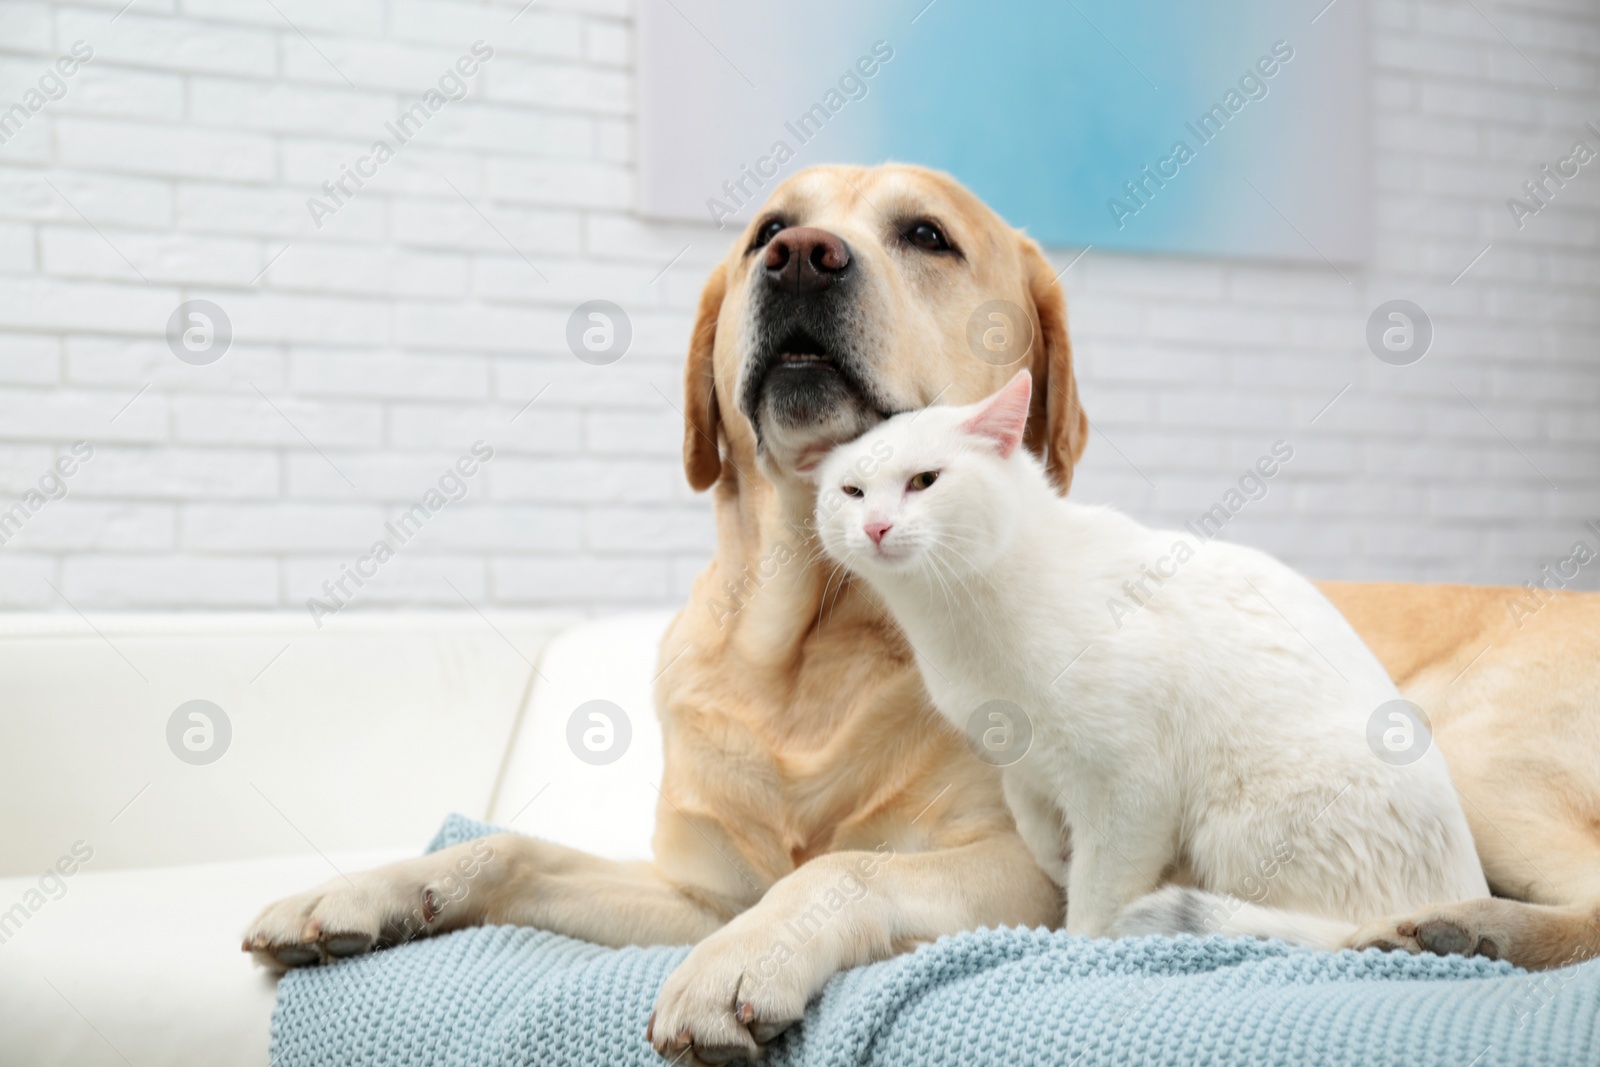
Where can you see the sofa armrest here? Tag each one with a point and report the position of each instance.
(361, 734)
(554, 785)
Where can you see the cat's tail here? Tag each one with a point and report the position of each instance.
(1179, 910)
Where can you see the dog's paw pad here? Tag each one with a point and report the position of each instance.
(1444, 938)
(347, 944)
(762, 1030)
(296, 955)
(765, 1032)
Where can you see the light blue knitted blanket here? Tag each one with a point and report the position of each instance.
(504, 995)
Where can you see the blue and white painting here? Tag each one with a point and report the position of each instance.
(1234, 129)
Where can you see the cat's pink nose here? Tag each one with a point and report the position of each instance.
(876, 530)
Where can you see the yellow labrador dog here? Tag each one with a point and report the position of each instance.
(816, 814)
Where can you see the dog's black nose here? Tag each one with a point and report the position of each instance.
(804, 259)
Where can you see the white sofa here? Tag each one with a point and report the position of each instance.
(349, 745)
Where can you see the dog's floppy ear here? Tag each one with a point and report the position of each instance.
(1058, 429)
(702, 421)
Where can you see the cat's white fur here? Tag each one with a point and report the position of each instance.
(1199, 764)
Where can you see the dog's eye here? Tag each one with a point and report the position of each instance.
(926, 236)
(921, 481)
(769, 229)
(850, 490)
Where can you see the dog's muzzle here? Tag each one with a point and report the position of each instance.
(806, 371)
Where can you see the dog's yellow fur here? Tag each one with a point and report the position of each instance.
(1513, 693)
(802, 755)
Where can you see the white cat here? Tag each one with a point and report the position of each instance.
(1215, 738)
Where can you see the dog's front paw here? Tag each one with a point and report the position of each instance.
(736, 992)
(345, 917)
(388, 906)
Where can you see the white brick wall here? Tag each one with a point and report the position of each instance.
(377, 348)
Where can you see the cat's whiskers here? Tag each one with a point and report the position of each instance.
(951, 536)
(976, 603)
(845, 578)
(960, 578)
(950, 542)
(817, 553)
(929, 564)
(972, 602)
(822, 602)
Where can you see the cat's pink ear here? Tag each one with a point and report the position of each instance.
(1001, 418)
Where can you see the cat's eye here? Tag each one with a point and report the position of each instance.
(921, 481)
(850, 490)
